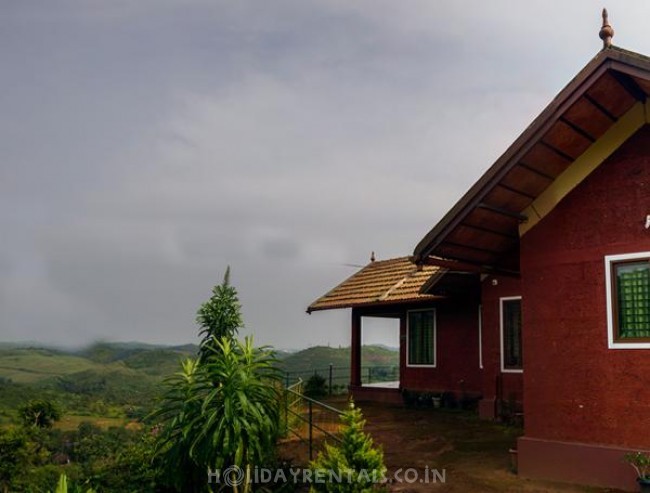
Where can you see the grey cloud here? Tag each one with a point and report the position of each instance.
(147, 145)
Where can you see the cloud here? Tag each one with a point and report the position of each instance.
(148, 145)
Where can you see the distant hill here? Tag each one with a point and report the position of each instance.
(31, 365)
(125, 373)
(323, 356)
(28, 365)
(378, 363)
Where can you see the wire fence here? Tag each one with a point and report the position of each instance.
(311, 421)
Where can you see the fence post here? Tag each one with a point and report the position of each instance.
(286, 411)
(286, 379)
(311, 444)
(330, 387)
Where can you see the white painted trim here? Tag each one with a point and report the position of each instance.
(435, 338)
(611, 343)
(503, 369)
(480, 337)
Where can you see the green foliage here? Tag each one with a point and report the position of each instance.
(62, 486)
(14, 454)
(39, 413)
(220, 316)
(177, 419)
(640, 462)
(316, 386)
(355, 465)
(136, 469)
(118, 387)
(156, 361)
(219, 412)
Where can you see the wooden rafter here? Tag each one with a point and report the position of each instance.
(578, 130)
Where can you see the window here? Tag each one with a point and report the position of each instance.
(628, 300)
(511, 351)
(421, 335)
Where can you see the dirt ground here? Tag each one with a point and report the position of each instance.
(470, 455)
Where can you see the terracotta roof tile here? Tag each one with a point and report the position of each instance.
(380, 282)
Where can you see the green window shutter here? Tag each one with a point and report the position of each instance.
(633, 299)
(512, 347)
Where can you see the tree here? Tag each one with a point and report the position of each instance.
(355, 465)
(220, 316)
(39, 414)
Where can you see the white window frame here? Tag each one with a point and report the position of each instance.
(612, 343)
(435, 337)
(503, 368)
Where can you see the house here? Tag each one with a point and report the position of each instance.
(555, 240)
(434, 327)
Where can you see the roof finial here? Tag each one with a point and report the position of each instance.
(606, 32)
(372, 257)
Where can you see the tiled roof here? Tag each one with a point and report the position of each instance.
(378, 283)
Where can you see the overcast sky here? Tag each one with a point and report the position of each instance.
(147, 144)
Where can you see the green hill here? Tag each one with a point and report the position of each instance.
(129, 375)
(378, 363)
(322, 356)
(29, 365)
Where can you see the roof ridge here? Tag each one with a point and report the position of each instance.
(394, 287)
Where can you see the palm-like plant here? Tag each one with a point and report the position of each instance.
(240, 408)
(180, 407)
(220, 411)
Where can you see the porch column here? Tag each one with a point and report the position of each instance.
(355, 350)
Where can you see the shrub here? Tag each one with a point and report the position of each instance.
(316, 386)
(355, 465)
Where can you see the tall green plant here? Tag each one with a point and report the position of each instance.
(219, 412)
(222, 409)
(240, 409)
(220, 316)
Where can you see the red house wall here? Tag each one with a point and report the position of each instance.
(578, 390)
(495, 384)
(457, 361)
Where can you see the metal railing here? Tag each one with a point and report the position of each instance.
(310, 420)
(337, 378)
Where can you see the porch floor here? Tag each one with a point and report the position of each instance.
(472, 452)
(382, 385)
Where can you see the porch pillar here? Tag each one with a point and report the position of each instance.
(355, 349)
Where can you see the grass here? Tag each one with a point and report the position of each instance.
(71, 422)
(34, 365)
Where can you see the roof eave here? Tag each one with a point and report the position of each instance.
(370, 304)
(610, 58)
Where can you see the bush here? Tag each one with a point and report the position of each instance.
(356, 465)
(316, 386)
